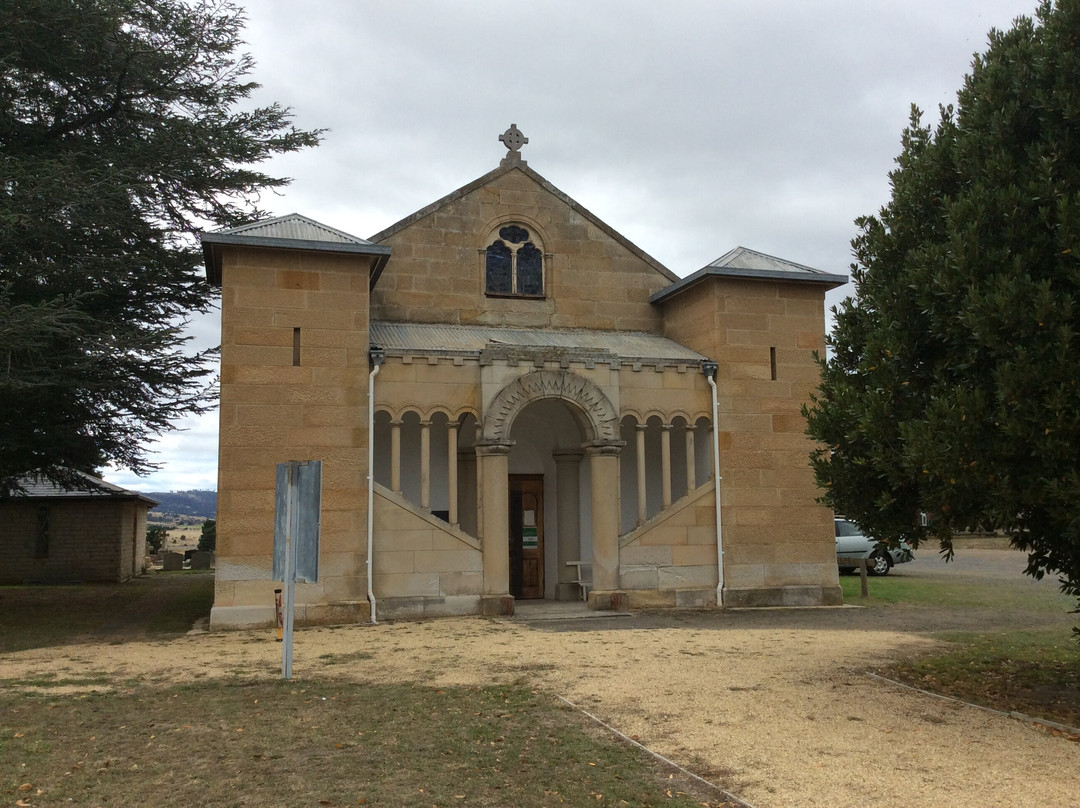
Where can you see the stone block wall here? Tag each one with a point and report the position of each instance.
(294, 381)
(423, 567)
(592, 279)
(87, 540)
(779, 543)
(671, 559)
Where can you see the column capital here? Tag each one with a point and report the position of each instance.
(605, 448)
(485, 449)
(667, 427)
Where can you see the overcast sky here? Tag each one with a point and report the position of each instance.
(689, 127)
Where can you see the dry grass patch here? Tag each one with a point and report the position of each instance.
(270, 743)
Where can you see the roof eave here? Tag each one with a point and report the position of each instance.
(825, 279)
(212, 243)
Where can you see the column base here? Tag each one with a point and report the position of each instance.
(610, 600)
(497, 605)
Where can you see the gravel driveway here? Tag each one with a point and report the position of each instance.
(772, 705)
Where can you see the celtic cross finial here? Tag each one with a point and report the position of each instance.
(513, 138)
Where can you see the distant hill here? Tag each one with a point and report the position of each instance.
(201, 504)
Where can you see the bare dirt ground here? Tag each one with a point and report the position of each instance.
(774, 706)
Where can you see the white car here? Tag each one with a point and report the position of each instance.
(880, 558)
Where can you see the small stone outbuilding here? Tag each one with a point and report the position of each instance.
(522, 405)
(90, 532)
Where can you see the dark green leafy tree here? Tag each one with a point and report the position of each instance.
(208, 536)
(125, 126)
(953, 387)
(156, 535)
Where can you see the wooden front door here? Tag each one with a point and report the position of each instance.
(527, 536)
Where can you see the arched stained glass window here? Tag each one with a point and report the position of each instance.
(530, 270)
(499, 269)
(514, 265)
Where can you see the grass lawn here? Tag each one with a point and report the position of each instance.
(153, 606)
(275, 743)
(1035, 671)
(937, 593)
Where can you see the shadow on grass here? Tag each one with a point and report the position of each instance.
(151, 607)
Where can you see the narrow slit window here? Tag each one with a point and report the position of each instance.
(41, 540)
(772, 363)
(296, 347)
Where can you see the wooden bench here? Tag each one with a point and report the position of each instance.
(582, 576)
(860, 564)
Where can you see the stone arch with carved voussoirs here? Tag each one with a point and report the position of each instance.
(593, 408)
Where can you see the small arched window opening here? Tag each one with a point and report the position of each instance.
(513, 264)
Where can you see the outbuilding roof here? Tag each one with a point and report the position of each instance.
(744, 263)
(88, 487)
(291, 232)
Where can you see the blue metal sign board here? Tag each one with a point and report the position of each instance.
(298, 495)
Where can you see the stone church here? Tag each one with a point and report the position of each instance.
(511, 401)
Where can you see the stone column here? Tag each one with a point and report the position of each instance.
(468, 492)
(604, 469)
(691, 460)
(494, 478)
(425, 464)
(395, 456)
(451, 472)
(568, 521)
(642, 503)
(665, 465)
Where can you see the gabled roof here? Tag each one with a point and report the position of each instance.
(744, 263)
(514, 163)
(89, 487)
(291, 232)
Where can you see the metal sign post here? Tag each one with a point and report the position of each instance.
(298, 501)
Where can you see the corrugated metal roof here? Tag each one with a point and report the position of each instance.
(292, 232)
(91, 486)
(744, 263)
(742, 258)
(295, 227)
(425, 338)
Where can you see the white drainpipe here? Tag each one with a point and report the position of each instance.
(377, 358)
(709, 369)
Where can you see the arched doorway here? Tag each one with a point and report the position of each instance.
(545, 496)
(560, 430)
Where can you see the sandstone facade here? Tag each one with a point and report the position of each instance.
(541, 424)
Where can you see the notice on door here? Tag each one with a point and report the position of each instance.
(529, 540)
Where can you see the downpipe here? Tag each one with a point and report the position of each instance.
(709, 369)
(377, 358)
